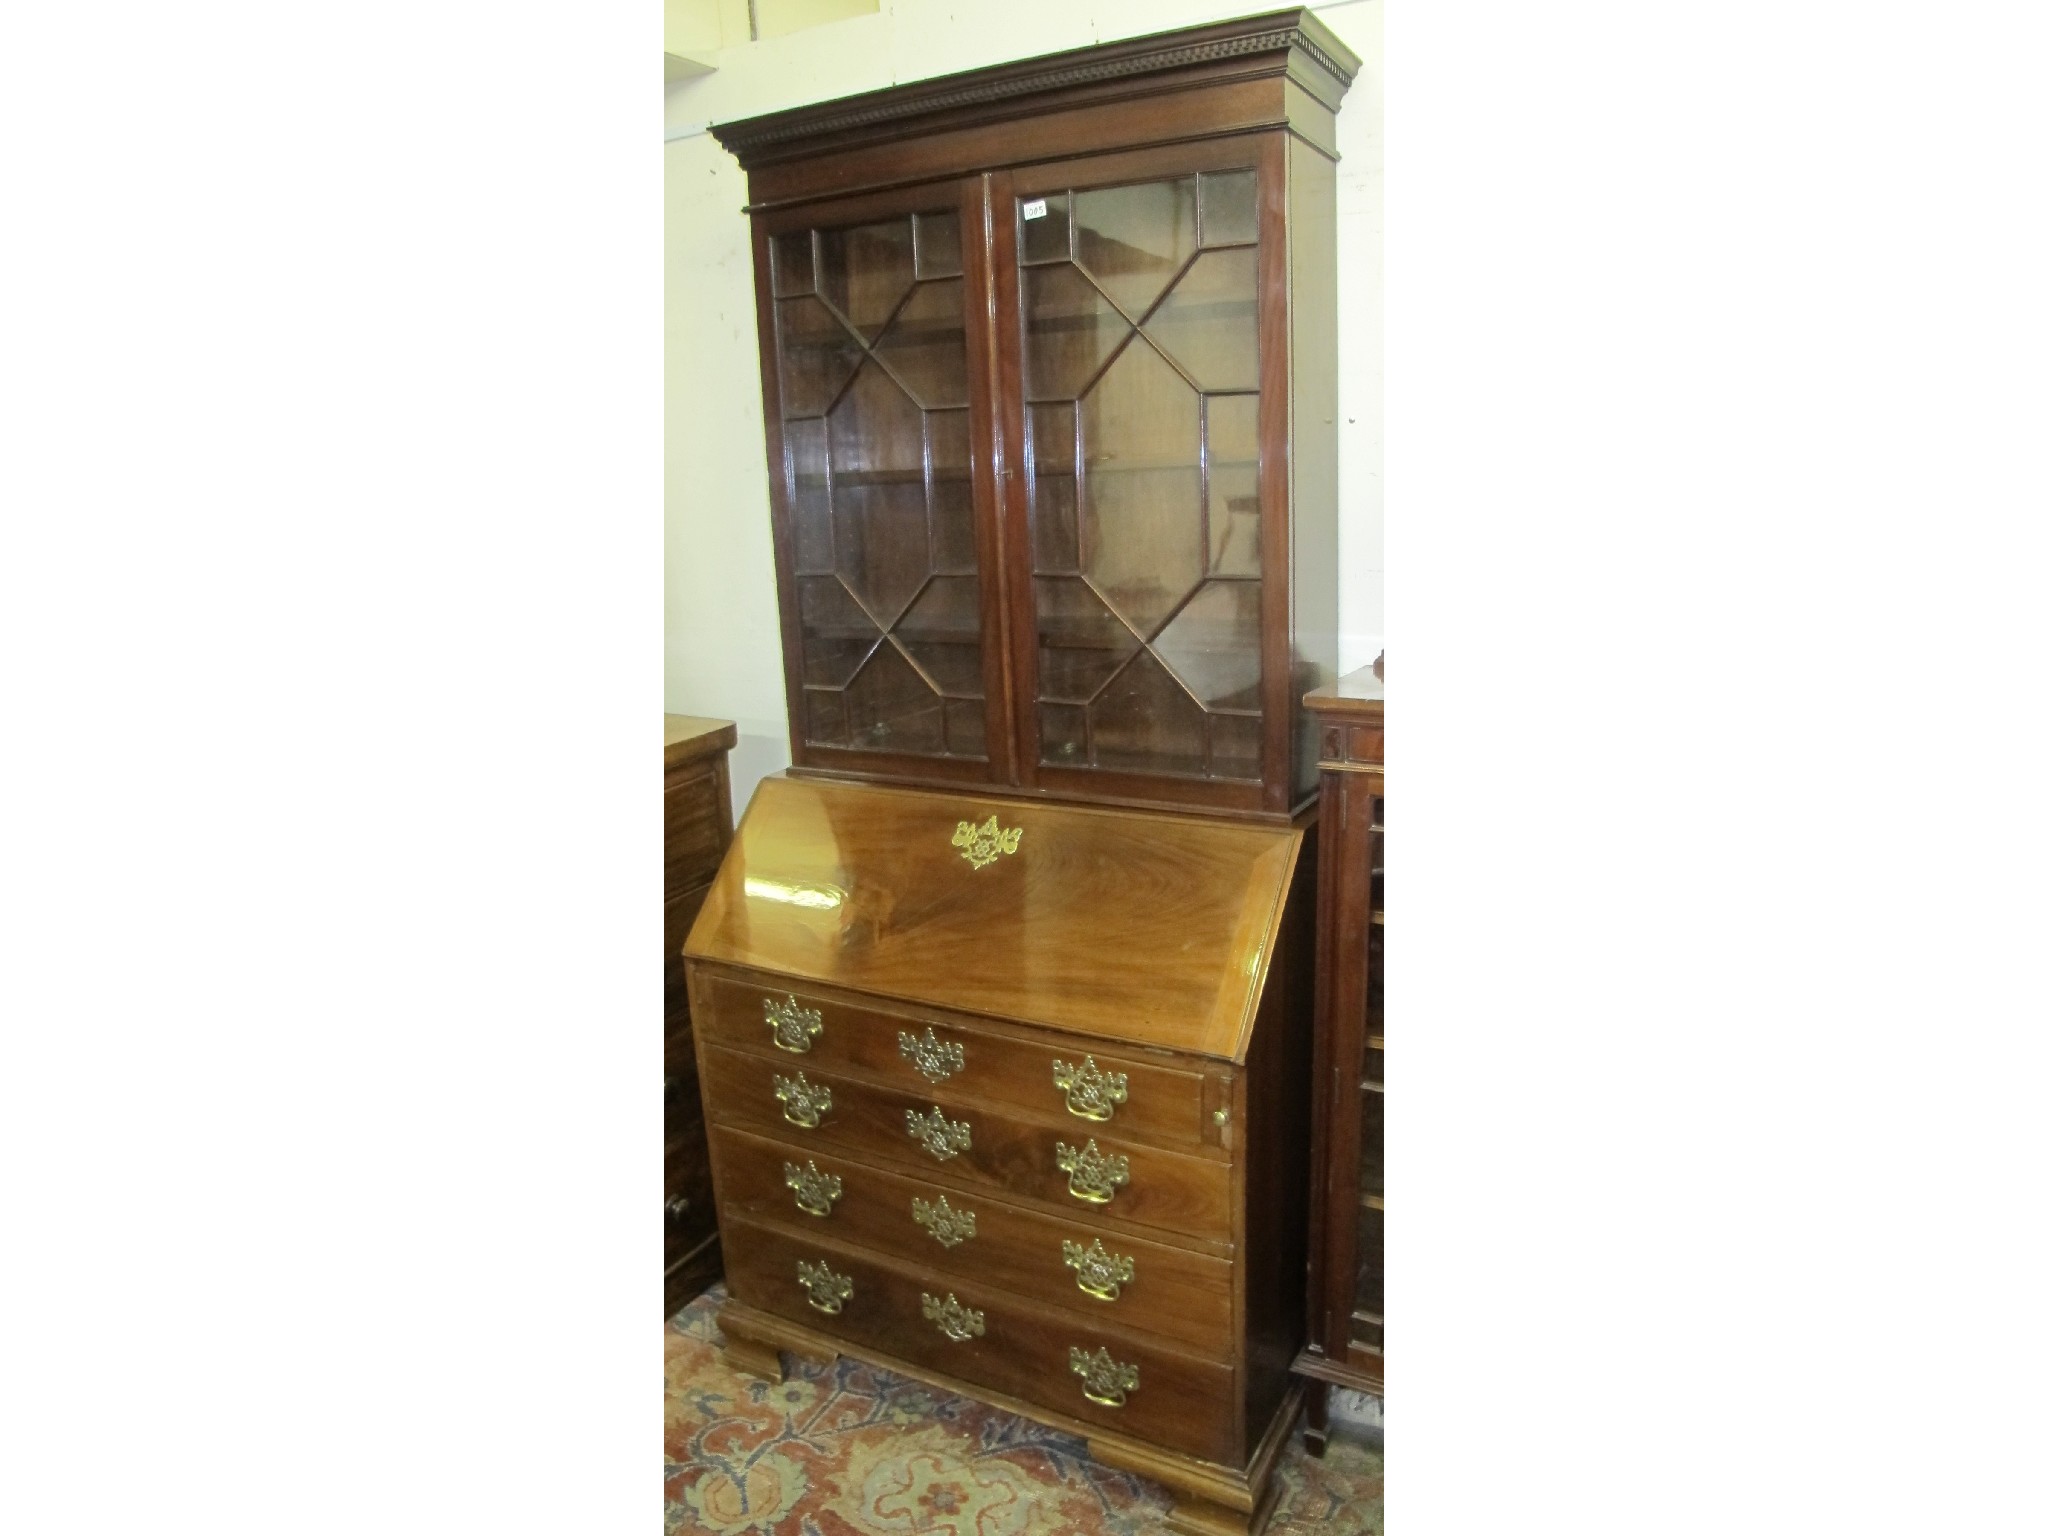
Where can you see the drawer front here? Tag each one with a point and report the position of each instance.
(693, 826)
(1171, 1292)
(1121, 1096)
(1009, 1346)
(1184, 1195)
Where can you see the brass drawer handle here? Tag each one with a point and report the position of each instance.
(1097, 1271)
(802, 1101)
(824, 1289)
(1103, 1380)
(791, 1025)
(950, 1227)
(956, 1322)
(939, 1136)
(936, 1059)
(1092, 1093)
(1093, 1174)
(815, 1191)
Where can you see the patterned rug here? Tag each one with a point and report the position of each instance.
(849, 1450)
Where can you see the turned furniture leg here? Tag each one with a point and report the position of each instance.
(1316, 1433)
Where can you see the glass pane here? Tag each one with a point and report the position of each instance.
(938, 245)
(1233, 426)
(942, 633)
(1069, 331)
(890, 709)
(864, 273)
(1133, 240)
(1212, 645)
(926, 346)
(1081, 644)
(837, 635)
(824, 718)
(1141, 499)
(818, 356)
(1146, 720)
(1234, 746)
(810, 502)
(879, 533)
(1055, 536)
(952, 492)
(1230, 207)
(966, 731)
(790, 257)
(1062, 733)
(1045, 237)
(1209, 324)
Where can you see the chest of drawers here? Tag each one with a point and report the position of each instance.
(1010, 1096)
(696, 826)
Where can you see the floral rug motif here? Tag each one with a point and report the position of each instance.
(850, 1450)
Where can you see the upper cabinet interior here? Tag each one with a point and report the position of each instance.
(1049, 366)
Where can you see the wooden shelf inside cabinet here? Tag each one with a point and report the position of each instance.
(1346, 1344)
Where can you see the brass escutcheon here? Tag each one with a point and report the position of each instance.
(939, 1136)
(950, 1227)
(936, 1059)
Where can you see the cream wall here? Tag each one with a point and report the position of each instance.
(724, 653)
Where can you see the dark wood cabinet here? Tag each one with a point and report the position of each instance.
(1346, 1305)
(1049, 373)
(697, 827)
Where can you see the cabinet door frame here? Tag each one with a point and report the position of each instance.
(966, 196)
(1266, 153)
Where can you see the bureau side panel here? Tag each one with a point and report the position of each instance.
(1276, 1094)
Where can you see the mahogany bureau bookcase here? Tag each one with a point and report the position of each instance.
(696, 827)
(1003, 994)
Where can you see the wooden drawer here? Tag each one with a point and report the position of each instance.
(694, 826)
(1171, 1292)
(1185, 1195)
(1159, 1103)
(1021, 1350)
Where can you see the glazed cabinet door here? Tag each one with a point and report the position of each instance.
(874, 348)
(1141, 299)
